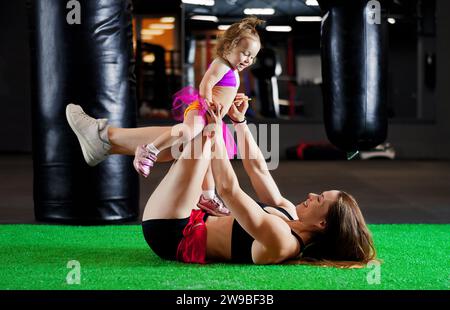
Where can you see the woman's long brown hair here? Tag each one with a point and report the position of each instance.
(346, 241)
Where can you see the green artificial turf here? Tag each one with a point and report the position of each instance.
(117, 257)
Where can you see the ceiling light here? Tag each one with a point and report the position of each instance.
(223, 27)
(391, 20)
(312, 3)
(199, 2)
(258, 11)
(167, 19)
(161, 26)
(308, 18)
(279, 28)
(205, 18)
(152, 32)
(149, 58)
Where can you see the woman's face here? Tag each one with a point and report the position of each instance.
(313, 211)
(244, 53)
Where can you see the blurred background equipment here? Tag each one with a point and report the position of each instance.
(266, 69)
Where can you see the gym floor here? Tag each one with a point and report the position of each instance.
(387, 191)
(413, 255)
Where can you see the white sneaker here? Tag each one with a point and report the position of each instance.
(91, 133)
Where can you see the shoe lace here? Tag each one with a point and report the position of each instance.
(218, 203)
(86, 117)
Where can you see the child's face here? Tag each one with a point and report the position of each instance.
(244, 53)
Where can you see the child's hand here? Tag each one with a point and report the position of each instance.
(238, 109)
(240, 98)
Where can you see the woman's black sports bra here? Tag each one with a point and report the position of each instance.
(241, 241)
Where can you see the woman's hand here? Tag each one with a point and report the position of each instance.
(207, 102)
(214, 115)
(239, 108)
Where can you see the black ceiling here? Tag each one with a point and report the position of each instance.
(233, 9)
(285, 8)
(227, 9)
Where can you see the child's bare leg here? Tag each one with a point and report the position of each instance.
(208, 182)
(193, 125)
(209, 201)
(147, 154)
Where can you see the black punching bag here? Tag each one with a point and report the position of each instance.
(354, 73)
(82, 53)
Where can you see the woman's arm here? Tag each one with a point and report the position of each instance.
(254, 162)
(270, 231)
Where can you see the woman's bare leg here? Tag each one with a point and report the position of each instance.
(125, 140)
(179, 191)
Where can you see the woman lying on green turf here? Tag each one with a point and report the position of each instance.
(325, 229)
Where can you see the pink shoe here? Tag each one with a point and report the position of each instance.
(213, 206)
(143, 160)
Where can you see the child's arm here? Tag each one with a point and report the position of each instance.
(213, 75)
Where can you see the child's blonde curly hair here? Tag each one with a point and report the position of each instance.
(237, 31)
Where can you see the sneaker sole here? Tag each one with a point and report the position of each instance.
(83, 142)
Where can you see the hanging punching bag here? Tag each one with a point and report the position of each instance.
(354, 73)
(81, 53)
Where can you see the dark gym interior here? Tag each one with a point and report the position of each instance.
(408, 185)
